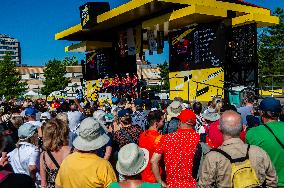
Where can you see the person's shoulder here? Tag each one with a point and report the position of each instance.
(151, 185)
(214, 156)
(258, 129)
(114, 185)
(256, 150)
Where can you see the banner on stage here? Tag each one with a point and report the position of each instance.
(105, 96)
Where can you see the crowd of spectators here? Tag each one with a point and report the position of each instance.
(138, 143)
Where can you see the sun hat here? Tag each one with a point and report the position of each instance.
(26, 130)
(132, 160)
(174, 109)
(99, 115)
(270, 104)
(45, 116)
(211, 115)
(91, 135)
(187, 116)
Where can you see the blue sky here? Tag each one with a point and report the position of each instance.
(34, 23)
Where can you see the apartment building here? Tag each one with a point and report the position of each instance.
(34, 76)
(12, 46)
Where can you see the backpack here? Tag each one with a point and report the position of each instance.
(201, 150)
(4, 174)
(243, 175)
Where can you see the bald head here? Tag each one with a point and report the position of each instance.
(231, 123)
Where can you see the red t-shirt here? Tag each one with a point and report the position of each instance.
(216, 135)
(106, 83)
(149, 140)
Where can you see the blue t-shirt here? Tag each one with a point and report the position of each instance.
(244, 111)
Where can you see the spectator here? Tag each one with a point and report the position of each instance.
(214, 133)
(270, 135)
(178, 149)
(24, 158)
(9, 131)
(200, 121)
(173, 110)
(84, 168)
(106, 150)
(217, 168)
(139, 115)
(30, 116)
(127, 133)
(74, 118)
(132, 160)
(149, 140)
(55, 143)
(8, 179)
(210, 115)
(247, 109)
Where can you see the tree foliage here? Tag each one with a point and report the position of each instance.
(10, 79)
(55, 79)
(271, 52)
(164, 68)
(70, 61)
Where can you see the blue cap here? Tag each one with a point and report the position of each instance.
(30, 111)
(115, 100)
(138, 102)
(26, 130)
(123, 113)
(270, 104)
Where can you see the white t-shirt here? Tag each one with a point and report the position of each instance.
(74, 119)
(24, 156)
(35, 123)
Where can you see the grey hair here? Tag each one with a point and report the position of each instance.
(231, 128)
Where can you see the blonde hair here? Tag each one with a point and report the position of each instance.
(55, 135)
(17, 121)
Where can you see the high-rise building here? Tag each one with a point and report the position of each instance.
(12, 46)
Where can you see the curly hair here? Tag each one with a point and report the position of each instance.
(55, 135)
(126, 120)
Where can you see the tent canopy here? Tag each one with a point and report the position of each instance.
(31, 93)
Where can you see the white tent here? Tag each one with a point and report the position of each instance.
(31, 93)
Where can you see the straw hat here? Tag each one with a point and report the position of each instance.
(132, 160)
(174, 109)
(91, 135)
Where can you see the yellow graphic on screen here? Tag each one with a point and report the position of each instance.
(94, 87)
(198, 85)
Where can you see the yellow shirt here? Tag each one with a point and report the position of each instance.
(85, 170)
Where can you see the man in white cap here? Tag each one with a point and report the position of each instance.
(84, 168)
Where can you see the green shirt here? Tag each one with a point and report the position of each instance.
(260, 136)
(144, 185)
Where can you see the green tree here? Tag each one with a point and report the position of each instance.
(70, 61)
(164, 68)
(55, 79)
(271, 52)
(10, 79)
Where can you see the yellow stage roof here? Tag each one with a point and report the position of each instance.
(87, 46)
(176, 13)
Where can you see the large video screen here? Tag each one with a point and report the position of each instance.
(198, 46)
